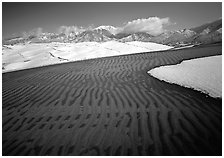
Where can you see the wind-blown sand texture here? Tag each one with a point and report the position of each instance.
(203, 74)
(109, 106)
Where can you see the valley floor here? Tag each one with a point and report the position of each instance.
(109, 106)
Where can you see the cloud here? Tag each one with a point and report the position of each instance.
(152, 25)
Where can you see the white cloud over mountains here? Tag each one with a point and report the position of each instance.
(152, 25)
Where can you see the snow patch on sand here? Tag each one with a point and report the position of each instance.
(203, 74)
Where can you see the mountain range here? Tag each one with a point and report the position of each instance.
(204, 34)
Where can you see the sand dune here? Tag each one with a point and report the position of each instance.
(19, 57)
(109, 106)
(203, 74)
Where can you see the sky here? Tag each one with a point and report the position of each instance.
(150, 17)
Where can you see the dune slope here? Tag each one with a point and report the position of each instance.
(19, 57)
(109, 106)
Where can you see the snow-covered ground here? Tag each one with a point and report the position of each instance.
(25, 56)
(203, 74)
(189, 46)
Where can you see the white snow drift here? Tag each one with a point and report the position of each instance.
(203, 74)
(25, 56)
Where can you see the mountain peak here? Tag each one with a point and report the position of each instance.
(207, 33)
(111, 29)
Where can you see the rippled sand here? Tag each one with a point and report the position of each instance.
(109, 106)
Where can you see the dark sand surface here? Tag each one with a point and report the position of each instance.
(109, 106)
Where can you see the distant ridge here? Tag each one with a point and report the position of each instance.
(204, 34)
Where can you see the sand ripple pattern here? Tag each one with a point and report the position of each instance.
(109, 106)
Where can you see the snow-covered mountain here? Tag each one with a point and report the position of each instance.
(208, 33)
(91, 36)
(139, 36)
(104, 33)
(174, 37)
(204, 34)
(113, 30)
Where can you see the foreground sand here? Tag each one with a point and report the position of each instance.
(109, 106)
